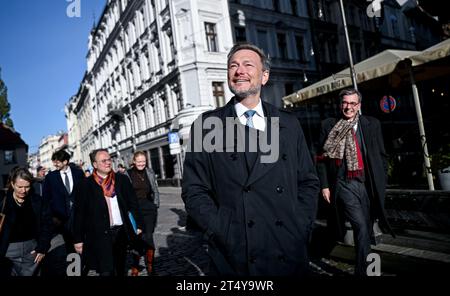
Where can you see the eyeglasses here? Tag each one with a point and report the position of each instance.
(351, 104)
(105, 160)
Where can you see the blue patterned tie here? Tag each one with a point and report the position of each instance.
(249, 115)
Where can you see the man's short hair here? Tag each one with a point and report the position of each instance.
(264, 59)
(60, 155)
(348, 92)
(93, 154)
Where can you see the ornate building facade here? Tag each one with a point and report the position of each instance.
(152, 67)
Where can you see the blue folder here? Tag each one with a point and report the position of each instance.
(133, 222)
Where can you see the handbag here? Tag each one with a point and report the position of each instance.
(2, 215)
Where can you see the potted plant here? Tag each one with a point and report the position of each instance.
(440, 163)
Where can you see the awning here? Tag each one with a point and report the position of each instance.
(376, 66)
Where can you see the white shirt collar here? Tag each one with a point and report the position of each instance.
(68, 171)
(259, 121)
(240, 109)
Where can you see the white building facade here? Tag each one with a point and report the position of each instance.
(48, 145)
(152, 67)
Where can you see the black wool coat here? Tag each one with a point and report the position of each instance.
(375, 163)
(256, 223)
(91, 220)
(43, 220)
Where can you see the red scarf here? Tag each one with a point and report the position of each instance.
(107, 184)
(360, 171)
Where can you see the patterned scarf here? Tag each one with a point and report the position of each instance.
(108, 187)
(342, 142)
(107, 184)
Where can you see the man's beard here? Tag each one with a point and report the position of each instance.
(242, 94)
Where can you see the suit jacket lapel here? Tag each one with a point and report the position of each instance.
(260, 169)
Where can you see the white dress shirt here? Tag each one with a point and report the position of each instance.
(69, 174)
(115, 212)
(259, 122)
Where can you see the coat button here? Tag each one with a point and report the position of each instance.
(279, 223)
(280, 189)
(250, 223)
(233, 156)
(247, 189)
(284, 157)
(252, 259)
(106, 231)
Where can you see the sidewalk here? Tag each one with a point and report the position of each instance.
(179, 252)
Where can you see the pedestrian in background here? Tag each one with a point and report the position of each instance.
(146, 187)
(102, 228)
(27, 228)
(121, 169)
(352, 168)
(58, 190)
(38, 184)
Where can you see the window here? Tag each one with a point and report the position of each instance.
(282, 47)
(211, 37)
(294, 7)
(262, 40)
(154, 161)
(276, 5)
(169, 162)
(218, 93)
(299, 43)
(240, 34)
(9, 157)
(288, 88)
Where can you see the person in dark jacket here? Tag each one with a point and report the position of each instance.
(27, 229)
(58, 190)
(144, 183)
(352, 168)
(101, 225)
(255, 206)
(38, 184)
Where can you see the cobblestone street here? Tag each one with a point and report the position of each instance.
(180, 251)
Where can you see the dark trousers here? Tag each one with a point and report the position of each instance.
(55, 263)
(118, 240)
(352, 196)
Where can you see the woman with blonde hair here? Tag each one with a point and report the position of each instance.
(146, 187)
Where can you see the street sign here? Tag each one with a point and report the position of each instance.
(388, 104)
(173, 137)
(174, 143)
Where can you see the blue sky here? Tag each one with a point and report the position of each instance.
(43, 59)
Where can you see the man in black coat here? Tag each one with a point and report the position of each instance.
(101, 226)
(256, 203)
(58, 190)
(352, 168)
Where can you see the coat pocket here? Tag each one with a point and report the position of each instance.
(221, 226)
